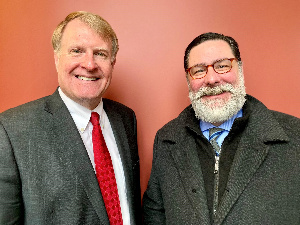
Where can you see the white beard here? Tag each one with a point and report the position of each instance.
(219, 110)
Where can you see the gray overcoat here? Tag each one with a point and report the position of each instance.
(263, 184)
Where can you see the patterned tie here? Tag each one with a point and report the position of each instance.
(214, 134)
(105, 174)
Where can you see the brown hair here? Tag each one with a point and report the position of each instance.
(211, 36)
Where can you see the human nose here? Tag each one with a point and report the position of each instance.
(88, 62)
(211, 77)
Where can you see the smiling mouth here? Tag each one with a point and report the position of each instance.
(87, 78)
(213, 93)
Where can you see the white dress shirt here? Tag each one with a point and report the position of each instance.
(81, 117)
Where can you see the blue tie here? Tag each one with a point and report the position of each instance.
(214, 134)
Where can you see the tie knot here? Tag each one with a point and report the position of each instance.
(215, 132)
(94, 118)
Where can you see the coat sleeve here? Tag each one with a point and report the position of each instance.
(153, 205)
(11, 206)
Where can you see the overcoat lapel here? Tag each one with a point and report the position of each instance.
(246, 163)
(191, 175)
(248, 159)
(73, 153)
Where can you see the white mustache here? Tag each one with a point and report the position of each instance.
(214, 91)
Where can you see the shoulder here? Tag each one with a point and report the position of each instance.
(110, 105)
(267, 121)
(260, 110)
(25, 110)
(33, 111)
(179, 120)
(285, 118)
(288, 122)
(176, 127)
(118, 112)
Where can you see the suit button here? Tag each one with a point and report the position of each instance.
(194, 190)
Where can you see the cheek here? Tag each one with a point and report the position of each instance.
(195, 85)
(67, 65)
(232, 79)
(106, 70)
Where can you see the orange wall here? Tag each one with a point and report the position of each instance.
(153, 35)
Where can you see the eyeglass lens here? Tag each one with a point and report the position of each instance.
(222, 66)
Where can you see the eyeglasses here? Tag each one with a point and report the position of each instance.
(220, 66)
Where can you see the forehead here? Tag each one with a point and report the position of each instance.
(77, 31)
(210, 51)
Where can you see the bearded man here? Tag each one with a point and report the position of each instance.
(226, 159)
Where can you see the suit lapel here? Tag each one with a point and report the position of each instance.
(121, 138)
(73, 153)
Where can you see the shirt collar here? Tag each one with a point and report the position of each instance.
(79, 113)
(204, 126)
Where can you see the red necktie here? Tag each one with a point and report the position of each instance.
(105, 174)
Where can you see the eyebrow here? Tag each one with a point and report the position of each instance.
(101, 49)
(83, 47)
(204, 64)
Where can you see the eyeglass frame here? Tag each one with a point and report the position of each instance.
(212, 65)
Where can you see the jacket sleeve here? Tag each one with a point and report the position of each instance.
(153, 206)
(11, 205)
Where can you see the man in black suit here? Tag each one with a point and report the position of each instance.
(227, 158)
(47, 169)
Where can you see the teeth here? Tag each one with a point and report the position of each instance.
(87, 78)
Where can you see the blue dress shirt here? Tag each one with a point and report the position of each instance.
(205, 126)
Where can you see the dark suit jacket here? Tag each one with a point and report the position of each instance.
(46, 176)
(263, 182)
